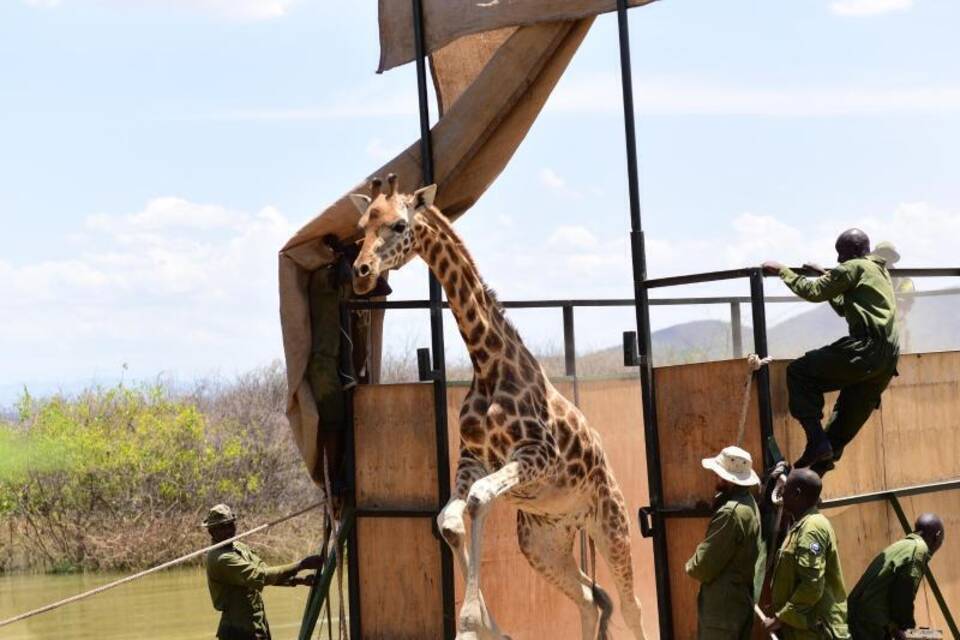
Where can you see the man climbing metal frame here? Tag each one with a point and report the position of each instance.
(860, 365)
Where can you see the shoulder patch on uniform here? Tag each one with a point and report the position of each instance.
(815, 548)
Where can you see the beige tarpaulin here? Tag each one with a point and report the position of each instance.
(513, 71)
(447, 20)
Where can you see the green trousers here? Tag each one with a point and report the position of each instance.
(860, 368)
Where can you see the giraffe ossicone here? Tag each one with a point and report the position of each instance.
(520, 440)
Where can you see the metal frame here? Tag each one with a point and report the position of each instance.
(638, 351)
(654, 516)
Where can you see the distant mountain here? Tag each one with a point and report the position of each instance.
(933, 324)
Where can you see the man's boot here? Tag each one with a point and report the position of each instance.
(818, 447)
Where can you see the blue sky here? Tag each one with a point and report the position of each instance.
(156, 154)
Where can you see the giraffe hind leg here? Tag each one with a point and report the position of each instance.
(548, 547)
(611, 533)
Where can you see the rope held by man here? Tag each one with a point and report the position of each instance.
(754, 362)
(160, 567)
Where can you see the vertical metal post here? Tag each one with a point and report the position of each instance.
(736, 329)
(570, 351)
(353, 555)
(642, 307)
(759, 313)
(934, 586)
(436, 333)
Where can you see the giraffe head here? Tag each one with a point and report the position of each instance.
(386, 222)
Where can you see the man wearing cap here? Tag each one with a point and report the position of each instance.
(903, 288)
(807, 590)
(236, 576)
(881, 605)
(725, 562)
(860, 366)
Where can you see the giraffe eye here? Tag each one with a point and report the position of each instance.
(400, 226)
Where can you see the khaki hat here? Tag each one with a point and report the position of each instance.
(220, 514)
(735, 465)
(887, 251)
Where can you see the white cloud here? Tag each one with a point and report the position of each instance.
(677, 95)
(550, 178)
(869, 7)
(177, 285)
(553, 181)
(572, 237)
(244, 10)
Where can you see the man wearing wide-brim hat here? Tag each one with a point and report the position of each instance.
(236, 576)
(725, 563)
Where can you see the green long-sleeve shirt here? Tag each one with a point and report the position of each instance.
(235, 576)
(860, 290)
(725, 564)
(883, 598)
(807, 589)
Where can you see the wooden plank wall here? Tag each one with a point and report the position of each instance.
(914, 438)
(399, 558)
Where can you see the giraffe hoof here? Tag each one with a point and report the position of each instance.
(481, 494)
(452, 529)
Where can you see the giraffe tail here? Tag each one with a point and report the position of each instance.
(605, 604)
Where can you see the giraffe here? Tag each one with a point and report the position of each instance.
(520, 439)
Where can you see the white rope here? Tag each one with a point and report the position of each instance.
(763, 618)
(165, 565)
(754, 362)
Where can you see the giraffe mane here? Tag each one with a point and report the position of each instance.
(437, 217)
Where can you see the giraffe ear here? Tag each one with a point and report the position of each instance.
(424, 197)
(360, 201)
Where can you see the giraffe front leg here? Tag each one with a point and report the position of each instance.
(479, 500)
(452, 528)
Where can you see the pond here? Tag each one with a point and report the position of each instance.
(168, 605)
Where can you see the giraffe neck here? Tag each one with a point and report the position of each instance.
(479, 316)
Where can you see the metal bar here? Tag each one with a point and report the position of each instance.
(934, 586)
(736, 328)
(613, 302)
(397, 513)
(569, 342)
(696, 278)
(946, 272)
(846, 501)
(759, 313)
(905, 492)
(642, 310)
(321, 588)
(436, 334)
(570, 370)
(353, 547)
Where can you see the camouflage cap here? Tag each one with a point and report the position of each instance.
(219, 514)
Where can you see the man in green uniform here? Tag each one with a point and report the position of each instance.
(881, 605)
(860, 366)
(236, 575)
(725, 563)
(807, 590)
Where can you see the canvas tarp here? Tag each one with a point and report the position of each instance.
(446, 21)
(513, 72)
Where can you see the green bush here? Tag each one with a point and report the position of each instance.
(121, 477)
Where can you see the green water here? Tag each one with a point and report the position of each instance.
(169, 605)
